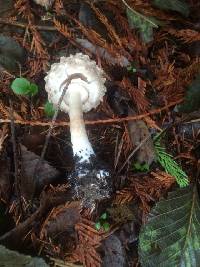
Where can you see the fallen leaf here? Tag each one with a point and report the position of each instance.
(103, 53)
(138, 131)
(114, 253)
(46, 173)
(170, 237)
(61, 220)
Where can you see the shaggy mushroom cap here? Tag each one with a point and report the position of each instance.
(92, 91)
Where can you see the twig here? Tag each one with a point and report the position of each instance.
(16, 234)
(25, 25)
(117, 154)
(105, 121)
(12, 126)
(47, 201)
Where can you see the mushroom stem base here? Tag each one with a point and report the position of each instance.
(92, 183)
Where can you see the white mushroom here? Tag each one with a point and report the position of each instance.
(45, 3)
(82, 95)
(90, 178)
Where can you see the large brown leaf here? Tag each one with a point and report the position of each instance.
(46, 174)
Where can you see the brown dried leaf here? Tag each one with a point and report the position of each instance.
(102, 52)
(114, 253)
(138, 131)
(47, 174)
(61, 220)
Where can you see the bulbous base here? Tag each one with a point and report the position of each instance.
(92, 182)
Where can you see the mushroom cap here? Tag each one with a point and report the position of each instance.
(91, 92)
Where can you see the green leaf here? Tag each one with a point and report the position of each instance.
(192, 98)
(141, 167)
(137, 166)
(171, 236)
(132, 68)
(144, 24)
(176, 5)
(49, 109)
(33, 89)
(20, 86)
(104, 216)
(169, 164)
(106, 226)
(145, 167)
(97, 226)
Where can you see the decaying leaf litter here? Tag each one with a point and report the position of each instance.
(146, 131)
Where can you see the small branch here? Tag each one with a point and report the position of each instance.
(16, 235)
(106, 121)
(25, 25)
(12, 126)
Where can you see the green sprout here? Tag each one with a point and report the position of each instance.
(104, 216)
(49, 109)
(132, 68)
(102, 223)
(22, 86)
(141, 167)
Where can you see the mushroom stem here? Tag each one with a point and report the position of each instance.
(80, 142)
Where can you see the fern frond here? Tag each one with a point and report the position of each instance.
(169, 164)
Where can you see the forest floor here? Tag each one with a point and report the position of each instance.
(150, 53)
